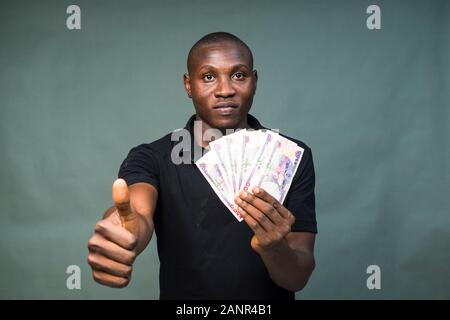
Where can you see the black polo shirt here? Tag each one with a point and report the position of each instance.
(204, 251)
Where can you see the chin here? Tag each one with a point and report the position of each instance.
(225, 123)
(222, 122)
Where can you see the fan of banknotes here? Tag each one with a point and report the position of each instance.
(249, 158)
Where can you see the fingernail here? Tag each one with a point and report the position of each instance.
(256, 190)
(244, 194)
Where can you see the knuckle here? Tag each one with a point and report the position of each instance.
(91, 260)
(96, 276)
(261, 217)
(92, 245)
(255, 225)
(128, 270)
(130, 258)
(291, 219)
(122, 282)
(132, 242)
(100, 226)
(271, 210)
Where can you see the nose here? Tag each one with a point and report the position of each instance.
(224, 88)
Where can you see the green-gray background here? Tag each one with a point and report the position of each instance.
(372, 105)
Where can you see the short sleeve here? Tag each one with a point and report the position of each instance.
(140, 165)
(300, 199)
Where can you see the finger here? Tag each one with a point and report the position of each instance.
(252, 223)
(102, 263)
(109, 279)
(256, 214)
(100, 245)
(116, 234)
(121, 197)
(262, 206)
(264, 195)
(285, 213)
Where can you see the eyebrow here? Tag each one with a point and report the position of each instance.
(236, 66)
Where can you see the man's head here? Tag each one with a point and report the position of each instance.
(221, 80)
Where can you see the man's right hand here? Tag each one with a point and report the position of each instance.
(112, 248)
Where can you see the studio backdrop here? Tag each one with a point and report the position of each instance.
(364, 83)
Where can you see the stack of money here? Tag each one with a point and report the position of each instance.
(249, 158)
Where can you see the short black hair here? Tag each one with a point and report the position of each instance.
(216, 37)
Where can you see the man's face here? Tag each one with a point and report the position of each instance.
(222, 84)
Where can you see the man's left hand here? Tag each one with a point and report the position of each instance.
(269, 220)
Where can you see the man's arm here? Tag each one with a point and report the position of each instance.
(123, 233)
(288, 256)
(291, 263)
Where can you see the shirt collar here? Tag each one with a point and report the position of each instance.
(252, 121)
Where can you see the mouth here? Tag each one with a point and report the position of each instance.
(225, 109)
(226, 105)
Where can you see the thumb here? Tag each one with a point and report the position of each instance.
(121, 198)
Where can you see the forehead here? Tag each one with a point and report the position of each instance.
(221, 55)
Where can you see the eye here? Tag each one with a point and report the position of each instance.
(239, 76)
(208, 77)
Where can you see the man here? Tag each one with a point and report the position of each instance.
(204, 252)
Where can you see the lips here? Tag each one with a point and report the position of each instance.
(226, 109)
(225, 105)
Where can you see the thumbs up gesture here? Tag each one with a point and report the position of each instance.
(121, 198)
(112, 248)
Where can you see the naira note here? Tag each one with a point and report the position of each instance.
(220, 151)
(250, 147)
(280, 170)
(227, 150)
(210, 169)
(264, 154)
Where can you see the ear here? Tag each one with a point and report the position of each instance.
(187, 84)
(255, 76)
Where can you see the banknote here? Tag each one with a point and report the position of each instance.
(249, 158)
(252, 142)
(264, 154)
(227, 150)
(219, 149)
(280, 170)
(209, 167)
